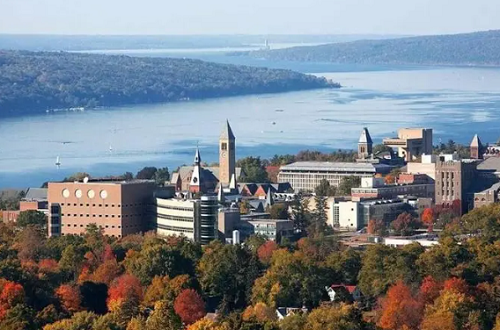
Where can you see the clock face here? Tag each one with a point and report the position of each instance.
(195, 180)
(224, 154)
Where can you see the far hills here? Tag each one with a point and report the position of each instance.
(476, 49)
(33, 82)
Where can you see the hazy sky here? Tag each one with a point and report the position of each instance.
(247, 16)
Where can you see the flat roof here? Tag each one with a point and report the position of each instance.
(334, 167)
(107, 182)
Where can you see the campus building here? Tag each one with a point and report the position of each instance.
(120, 208)
(411, 142)
(418, 185)
(306, 176)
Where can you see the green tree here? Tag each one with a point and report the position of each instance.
(300, 215)
(163, 317)
(346, 264)
(324, 189)
(278, 211)
(161, 176)
(147, 173)
(253, 170)
(319, 218)
(31, 217)
(226, 273)
(347, 183)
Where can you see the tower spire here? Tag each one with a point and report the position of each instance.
(197, 156)
(365, 144)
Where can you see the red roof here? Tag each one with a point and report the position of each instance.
(350, 288)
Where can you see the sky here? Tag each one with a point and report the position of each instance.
(163, 17)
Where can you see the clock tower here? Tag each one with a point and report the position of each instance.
(227, 155)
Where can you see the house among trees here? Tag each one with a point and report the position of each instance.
(341, 291)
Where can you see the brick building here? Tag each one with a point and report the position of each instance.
(119, 207)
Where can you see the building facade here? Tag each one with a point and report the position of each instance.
(411, 142)
(379, 190)
(120, 208)
(227, 155)
(306, 176)
(454, 181)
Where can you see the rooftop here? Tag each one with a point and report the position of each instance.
(335, 167)
(36, 194)
(105, 181)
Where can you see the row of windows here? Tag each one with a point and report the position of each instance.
(103, 215)
(173, 228)
(178, 208)
(105, 205)
(175, 218)
(81, 234)
(87, 225)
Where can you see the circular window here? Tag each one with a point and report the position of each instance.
(91, 193)
(65, 193)
(195, 180)
(78, 193)
(104, 194)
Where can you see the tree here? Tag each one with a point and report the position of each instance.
(79, 321)
(400, 310)
(12, 294)
(265, 251)
(335, 318)
(126, 286)
(300, 215)
(127, 176)
(163, 317)
(226, 273)
(428, 218)
(377, 274)
(319, 218)
(29, 243)
(31, 217)
(252, 170)
(205, 324)
(347, 183)
(429, 290)
(161, 176)
(147, 173)
(70, 297)
(346, 264)
(107, 272)
(278, 211)
(377, 227)
(189, 306)
(404, 224)
(324, 189)
(293, 322)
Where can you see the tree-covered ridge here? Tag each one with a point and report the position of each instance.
(32, 82)
(479, 48)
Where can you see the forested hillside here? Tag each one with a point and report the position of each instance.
(480, 48)
(32, 82)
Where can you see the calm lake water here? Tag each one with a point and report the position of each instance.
(455, 102)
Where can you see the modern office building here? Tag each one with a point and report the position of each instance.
(306, 176)
(411, 142)
(201, 220)
(120, 208)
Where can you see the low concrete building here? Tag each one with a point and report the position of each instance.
(272, 229)
(306, 176)
(488, 196)
(377, 189)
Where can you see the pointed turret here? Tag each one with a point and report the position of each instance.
(196, 185)
(233, 185)
(365, 144)
(197, 157)
(476, 148)
(227, 132)
(220, 194)
(269, 198)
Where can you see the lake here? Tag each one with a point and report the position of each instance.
(455, 102)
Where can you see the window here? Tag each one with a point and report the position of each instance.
(223, 146)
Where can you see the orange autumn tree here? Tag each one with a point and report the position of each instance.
(456, 284)
(70, 297)
(428, 218)
(189, 306)
(265, 251)
(400, 310)
(11, 295)
(429, 290)
(123, 288)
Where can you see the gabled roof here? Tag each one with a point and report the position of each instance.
(365, 136)
(227, 132)
(185, 171)
(350, 288)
